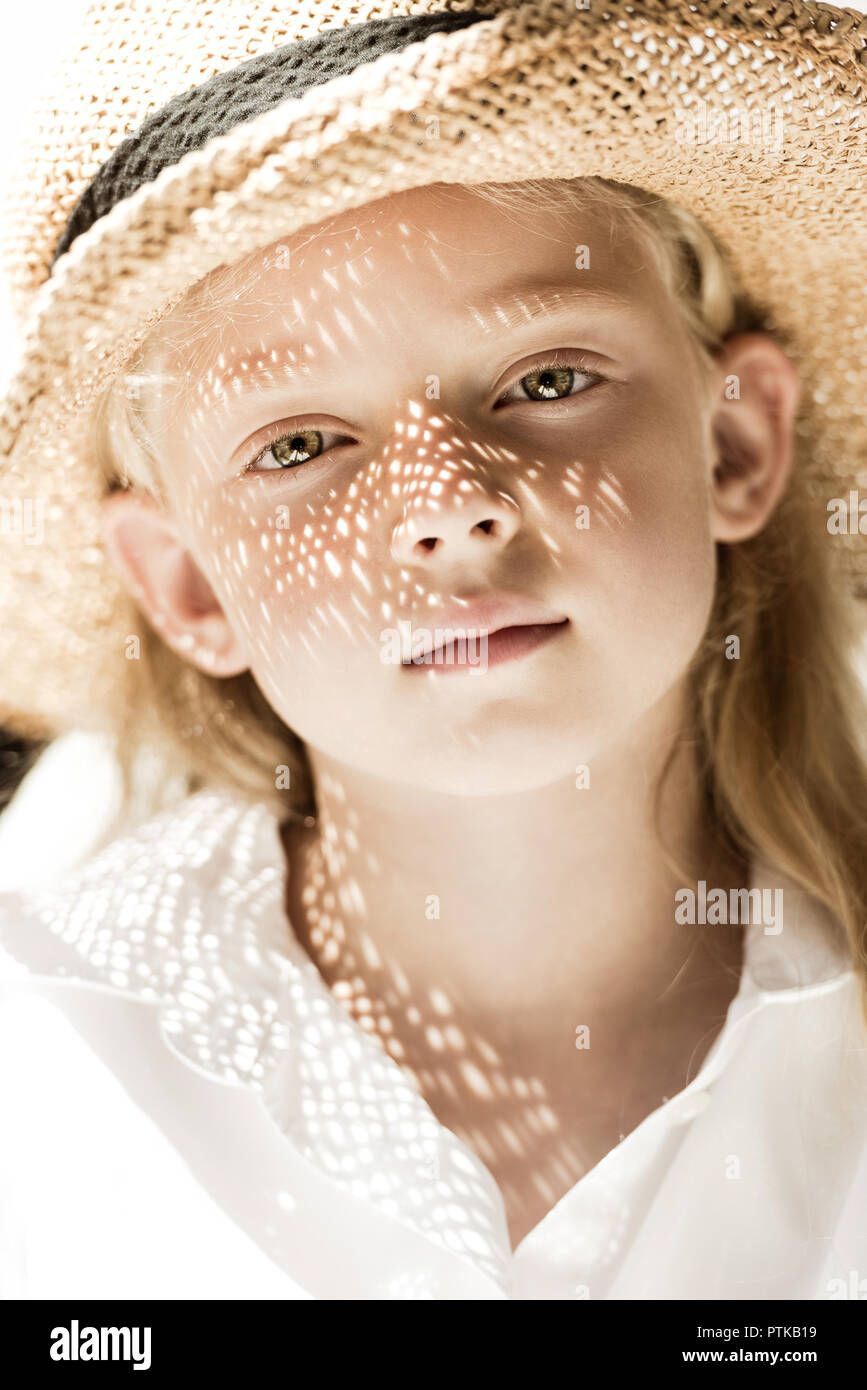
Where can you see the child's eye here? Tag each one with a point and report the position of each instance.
(552, 381)
(289, 451)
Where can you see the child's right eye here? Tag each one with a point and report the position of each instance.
(291, 452)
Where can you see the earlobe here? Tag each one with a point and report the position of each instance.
(753, 427)
(176, 598)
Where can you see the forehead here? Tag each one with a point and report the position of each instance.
(423, 255)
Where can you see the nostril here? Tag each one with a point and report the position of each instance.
(429, 542)
(487, 526)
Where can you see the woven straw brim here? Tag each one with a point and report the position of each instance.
(541, 91)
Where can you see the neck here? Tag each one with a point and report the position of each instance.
(513, 912)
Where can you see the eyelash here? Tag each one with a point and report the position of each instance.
(557, 360)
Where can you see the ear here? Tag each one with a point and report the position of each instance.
(753, 426)
(174, 595)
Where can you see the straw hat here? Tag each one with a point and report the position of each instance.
(181, 136)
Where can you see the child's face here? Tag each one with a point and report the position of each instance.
(402, 333)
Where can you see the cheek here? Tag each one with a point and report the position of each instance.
(669, 497)
(297, 582)
(652, 491)
(646, 567)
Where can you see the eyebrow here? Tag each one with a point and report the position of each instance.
(537, 300)
(508, 307)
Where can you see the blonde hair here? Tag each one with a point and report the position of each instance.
(777, 736)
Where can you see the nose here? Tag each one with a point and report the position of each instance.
(454, 524)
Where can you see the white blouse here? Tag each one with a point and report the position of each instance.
(188, 1112)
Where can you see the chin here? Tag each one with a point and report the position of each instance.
(506, 767)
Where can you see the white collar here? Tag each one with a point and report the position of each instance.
(188, 912)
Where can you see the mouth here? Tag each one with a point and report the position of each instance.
(474, 650)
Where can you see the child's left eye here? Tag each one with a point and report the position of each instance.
(553, 381)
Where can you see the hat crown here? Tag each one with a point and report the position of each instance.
(127, 59)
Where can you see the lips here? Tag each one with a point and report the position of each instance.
(522, 623)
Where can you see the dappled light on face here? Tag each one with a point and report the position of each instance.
(347, 464)
(406, 410)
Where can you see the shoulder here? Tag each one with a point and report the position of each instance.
(198, 879)
(186, 913)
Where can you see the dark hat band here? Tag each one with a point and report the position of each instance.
(241, 93)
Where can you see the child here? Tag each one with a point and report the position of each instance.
(483, 599)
